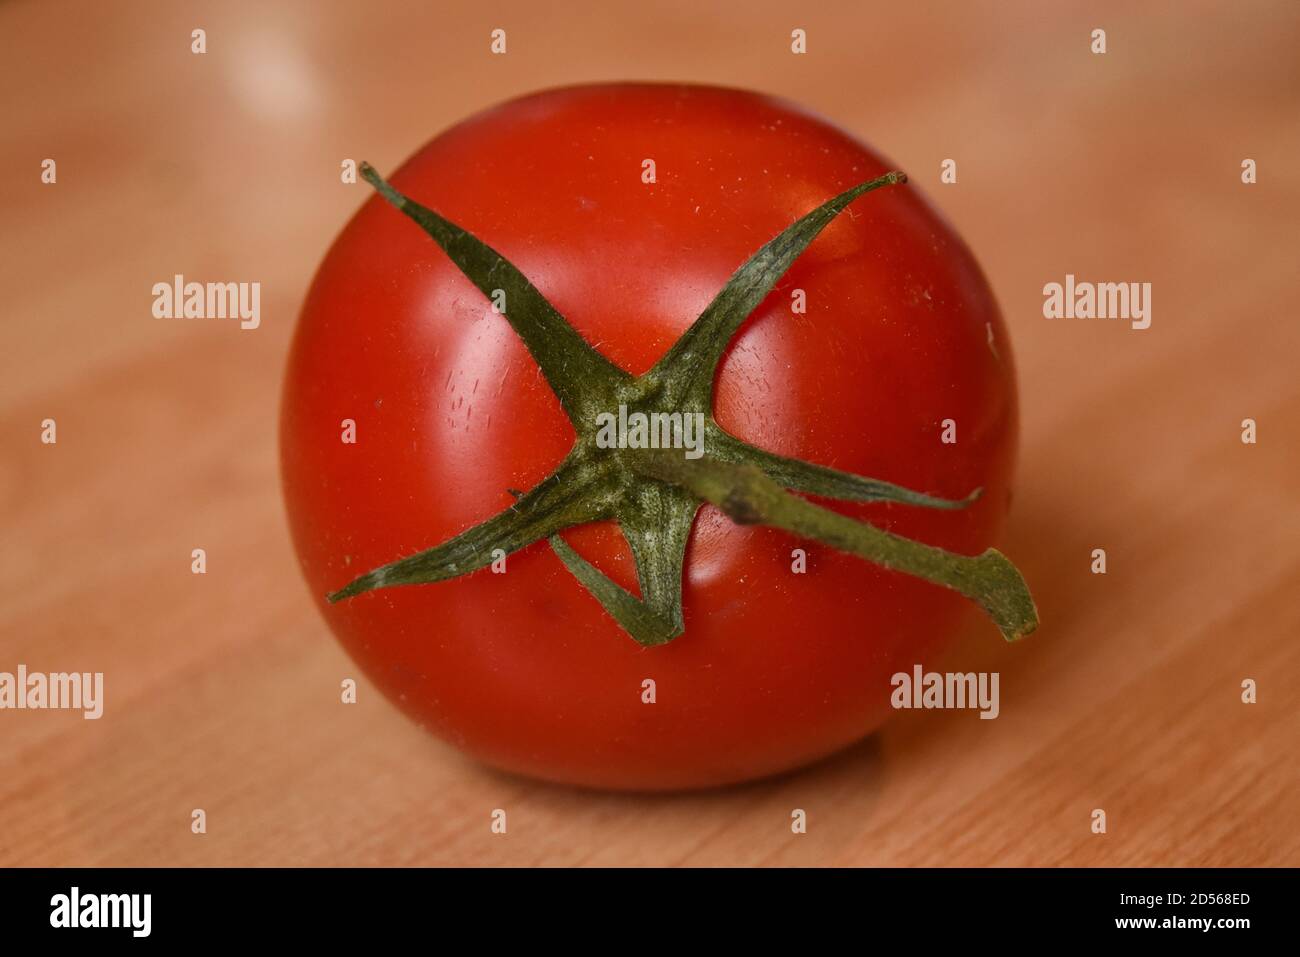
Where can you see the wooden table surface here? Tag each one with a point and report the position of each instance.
(222, 689)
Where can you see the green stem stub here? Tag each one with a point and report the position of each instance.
(654, 493)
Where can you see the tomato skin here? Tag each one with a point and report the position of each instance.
(525, 670)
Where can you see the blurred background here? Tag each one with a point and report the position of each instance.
(223, 689)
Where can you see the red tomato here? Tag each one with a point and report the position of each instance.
(525, 670)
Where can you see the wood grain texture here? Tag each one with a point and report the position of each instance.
(222, 690)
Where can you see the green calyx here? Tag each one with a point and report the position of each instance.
(654, 493)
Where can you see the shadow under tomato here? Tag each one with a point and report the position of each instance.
(851, 776)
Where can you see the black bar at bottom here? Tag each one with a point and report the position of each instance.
(622, 907)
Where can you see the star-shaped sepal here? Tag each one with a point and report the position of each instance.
(654, 493)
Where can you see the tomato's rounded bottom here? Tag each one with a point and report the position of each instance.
(711, 709)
